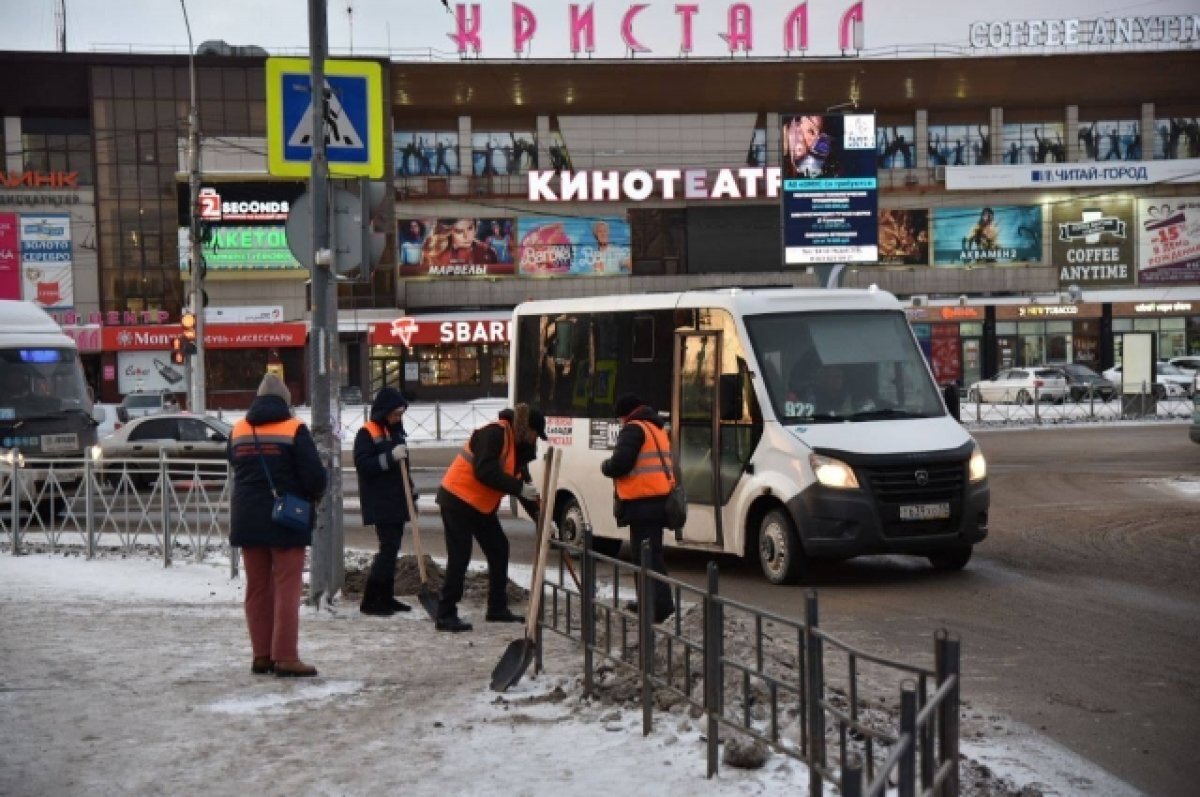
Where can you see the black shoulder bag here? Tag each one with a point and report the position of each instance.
(676, 505)
(290, 511)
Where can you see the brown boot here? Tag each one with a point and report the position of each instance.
(294, 669)
(262, 665)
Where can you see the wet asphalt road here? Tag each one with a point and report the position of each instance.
(1079, 615)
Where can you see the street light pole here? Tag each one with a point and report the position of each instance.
(196, 397)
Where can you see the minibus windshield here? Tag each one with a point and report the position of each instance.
(842, 366)
(41, 382)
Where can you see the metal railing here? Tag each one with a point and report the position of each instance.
(1025, 406)
(166, 504)
(777, 689)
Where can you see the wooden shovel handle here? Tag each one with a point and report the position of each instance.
(539, 570)
(412, 519)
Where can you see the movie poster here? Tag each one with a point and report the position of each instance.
(1169, 241)
(1000, 234)
(463, 247)
(904, 237)
(830, 191)
(588, 247)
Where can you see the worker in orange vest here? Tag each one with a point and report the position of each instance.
(491, 465)
(640, 458)
(379, 450)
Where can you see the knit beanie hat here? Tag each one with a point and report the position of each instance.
(272, 385)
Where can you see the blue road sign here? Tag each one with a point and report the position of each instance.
(353, 117)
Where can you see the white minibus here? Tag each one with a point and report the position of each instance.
(804, 424)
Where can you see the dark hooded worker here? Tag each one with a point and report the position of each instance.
(272, 453)
(379, 448)
(636, 467)
(492, 464)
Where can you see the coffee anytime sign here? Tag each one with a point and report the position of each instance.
(1092, 245)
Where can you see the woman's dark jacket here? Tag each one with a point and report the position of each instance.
(379, 486)
(295, 468)
(624, 458)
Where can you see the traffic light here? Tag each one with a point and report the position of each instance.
(188, 321)
(178, 350)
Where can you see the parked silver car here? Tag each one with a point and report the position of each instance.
(177, 435)
(1169, 381)
(1021, 386)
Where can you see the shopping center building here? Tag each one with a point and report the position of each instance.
(1034, 201)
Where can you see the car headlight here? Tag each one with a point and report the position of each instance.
(95, 453)
(13, 456)
(833, 472)
(977, 468)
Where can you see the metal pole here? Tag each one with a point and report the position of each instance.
(816, 693)
(196, 383)
(321, 581)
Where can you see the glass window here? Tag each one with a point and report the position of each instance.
(895, 147)
(1034, 142)
(155, 429)
(1176, 137)
(450, 365)
(1110, 139)
(499, 153)
(958, 145)
(1122, 325)
(1145, 325)
(973, 329)
(425, 152)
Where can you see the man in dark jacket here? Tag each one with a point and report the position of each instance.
(490, 466)
(379, 450)
(638, 466)
(272, 454)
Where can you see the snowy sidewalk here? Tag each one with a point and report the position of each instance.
(121, 677)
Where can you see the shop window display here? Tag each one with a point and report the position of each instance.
(1177, 137)
(958, 145)
(1110, 139)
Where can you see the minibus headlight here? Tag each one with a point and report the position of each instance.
(95, 453)
(833, 472)
(978, 466)
(12, 456)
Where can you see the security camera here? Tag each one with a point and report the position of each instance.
(1075, 293)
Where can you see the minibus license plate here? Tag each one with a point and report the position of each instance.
(53, 443)
(925, 512)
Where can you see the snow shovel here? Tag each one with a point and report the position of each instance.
(519, 654)
(425, 595)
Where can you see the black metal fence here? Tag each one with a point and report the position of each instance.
(783, 688)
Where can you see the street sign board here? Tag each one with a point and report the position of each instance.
(353, 117)
(346, 233)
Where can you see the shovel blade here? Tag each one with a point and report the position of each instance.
(428, 601)
(512, 664)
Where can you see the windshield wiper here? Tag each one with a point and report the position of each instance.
(885, 414)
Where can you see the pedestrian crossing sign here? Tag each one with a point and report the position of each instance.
(353, 111)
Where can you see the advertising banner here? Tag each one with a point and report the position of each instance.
(10, 256)
(1070, 175)
(588, 247)
(216, 336)
(1004, 234)
(830, 196)
(247, 203)
(1093, 242)
(46, 260)
(463, 247)
(1169, 241)
(239, 248)
(904, 237)
(148, 370)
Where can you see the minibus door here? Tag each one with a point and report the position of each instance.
(694, 432)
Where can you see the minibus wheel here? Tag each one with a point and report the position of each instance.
(779, 551)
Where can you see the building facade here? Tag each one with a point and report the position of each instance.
(1030, 207)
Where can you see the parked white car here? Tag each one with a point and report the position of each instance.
(1169, 382)
(1191, 364)
(1021, 386)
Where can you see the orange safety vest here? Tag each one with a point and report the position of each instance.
(275, 433)
(460, 478)
(377, 432)
(647, 479)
